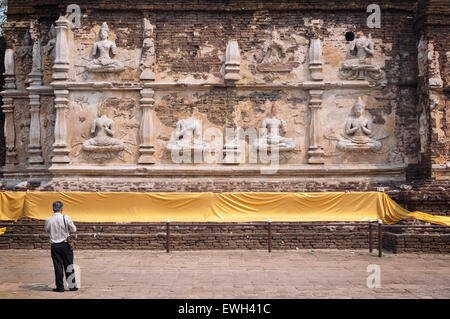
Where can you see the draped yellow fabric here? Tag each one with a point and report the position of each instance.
(11, 205)
(2, 230)
(210, 207)
(121, 207)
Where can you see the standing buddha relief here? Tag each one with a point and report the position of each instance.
(51, 44)
(24, 59)
(148, 52)
(26, 49)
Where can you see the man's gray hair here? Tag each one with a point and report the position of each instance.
(57, 206)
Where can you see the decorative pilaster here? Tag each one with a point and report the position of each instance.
(232, 61)
(60, 76)
(315, 59)
(35, 82)
(315, 151)
(231, 152)
(8, 108)
(147, 102)
(146, 148)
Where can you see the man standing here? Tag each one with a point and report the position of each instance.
(62, 254)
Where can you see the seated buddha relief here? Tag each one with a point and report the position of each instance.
(102, 53)
(359, 64)
(271, 133)
(187, 136)
(358, 131)
(102, 146)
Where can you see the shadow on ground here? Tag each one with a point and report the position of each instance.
(37, 287)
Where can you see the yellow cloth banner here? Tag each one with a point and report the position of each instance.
(11, 205)
(210, 207)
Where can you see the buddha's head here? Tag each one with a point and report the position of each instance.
(27, 39)
(104, 31)
(358, 108)
(273, 111)
(52, 32)
(359, 35)
(104, 111)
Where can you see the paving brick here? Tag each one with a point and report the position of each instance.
(210, 274)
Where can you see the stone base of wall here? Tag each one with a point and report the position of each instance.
(429, 196)
(232, 237)
(417, 240)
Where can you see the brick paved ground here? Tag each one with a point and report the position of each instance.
(228, 274)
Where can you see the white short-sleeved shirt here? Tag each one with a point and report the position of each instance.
(58, 231)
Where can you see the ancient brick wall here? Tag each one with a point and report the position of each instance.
(190, 39)
(194, 47)
(2, 116)
(343, 236)
(430, 240)
(431, 22)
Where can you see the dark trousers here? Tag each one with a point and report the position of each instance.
(62, 256)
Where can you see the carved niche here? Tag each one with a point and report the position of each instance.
(105, 142)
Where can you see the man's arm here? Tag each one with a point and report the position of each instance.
(47, 226)
(71, 225)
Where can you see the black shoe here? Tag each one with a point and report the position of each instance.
(58, 290)
(73, 289)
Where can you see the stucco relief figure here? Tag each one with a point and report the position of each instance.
(271, 133)
(50, 47)
(358, 132)
(359, 65)
(421, 56)
(272, 57)
(423, 131)
(447, 67)
(26, 49)
(103, 145)
(102, 52)
(148, 52)
(187, 136)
